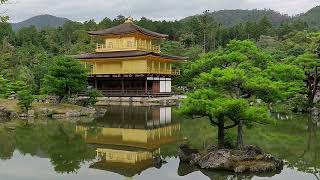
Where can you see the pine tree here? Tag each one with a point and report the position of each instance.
(264, 26)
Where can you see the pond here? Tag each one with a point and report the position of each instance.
(128, 141)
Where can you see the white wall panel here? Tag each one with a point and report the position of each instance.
(168, 86)
(162, 86)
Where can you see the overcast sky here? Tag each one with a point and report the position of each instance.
(81, 10)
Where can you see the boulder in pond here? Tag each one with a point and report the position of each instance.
(185, 153)
(249, 159)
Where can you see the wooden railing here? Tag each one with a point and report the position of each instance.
(137, 45)
(175, 72)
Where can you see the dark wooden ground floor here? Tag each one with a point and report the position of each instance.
(132, 86)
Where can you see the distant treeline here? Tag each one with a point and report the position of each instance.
(202, 30)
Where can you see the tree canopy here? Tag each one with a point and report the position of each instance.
(231, 83)
(66, 76)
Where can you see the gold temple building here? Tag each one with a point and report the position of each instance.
(130, 63)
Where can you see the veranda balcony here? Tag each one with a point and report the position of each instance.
(136, 45)
(161, 71)
(175, 72)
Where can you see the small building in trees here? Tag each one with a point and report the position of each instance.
(129, 62)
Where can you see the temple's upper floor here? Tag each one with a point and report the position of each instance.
(128, 37)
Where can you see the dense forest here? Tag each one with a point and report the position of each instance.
(27, 53)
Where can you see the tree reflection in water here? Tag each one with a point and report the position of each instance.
(57, 141)
(309, 160)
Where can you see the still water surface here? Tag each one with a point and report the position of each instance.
(126, 142)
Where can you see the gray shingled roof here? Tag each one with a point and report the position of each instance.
(127, 28)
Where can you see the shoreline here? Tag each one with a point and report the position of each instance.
(140, 101)
(10, 109)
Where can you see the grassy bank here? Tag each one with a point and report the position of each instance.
(12, 106)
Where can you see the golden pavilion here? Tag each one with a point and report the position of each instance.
(129, 62)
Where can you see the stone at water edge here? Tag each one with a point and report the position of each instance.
(14, 115)
(87, 111)
(4, 112)
(185, 153)
(73, 114)
(43, 112)
(250, 159)
(58, 116)
(30, 113)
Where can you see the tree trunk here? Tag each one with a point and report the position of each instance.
(312, 84)
(221, 133)
(60, 99)
(240, 135)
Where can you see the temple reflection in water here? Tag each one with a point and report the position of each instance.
(128, 139)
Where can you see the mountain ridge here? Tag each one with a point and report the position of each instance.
(233, 17)
(40, 21)
(225, 17)
(312, 17)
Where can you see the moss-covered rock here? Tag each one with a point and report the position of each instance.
(249, 159)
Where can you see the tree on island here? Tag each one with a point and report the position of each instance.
(232, 81)
(66, 76)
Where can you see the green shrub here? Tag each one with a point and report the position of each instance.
(299, 103)
(25, 98)
(93, 97)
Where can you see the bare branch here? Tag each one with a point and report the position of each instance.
(213, 122)
(198, 117)
(231, 126)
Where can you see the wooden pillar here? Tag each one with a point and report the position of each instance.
(146, 86)
(165, 68)
(152, 66)
(95, 82)
(145, 45)
(122, 83)
(150, 45)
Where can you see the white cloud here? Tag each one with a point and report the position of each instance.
(81, 10)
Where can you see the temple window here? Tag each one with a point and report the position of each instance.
(110, 45)
(129, 44)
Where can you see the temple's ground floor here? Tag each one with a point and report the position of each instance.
(132, 86)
